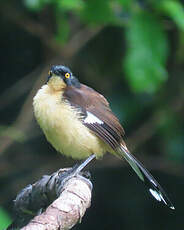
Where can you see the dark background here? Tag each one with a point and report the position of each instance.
(130, 51)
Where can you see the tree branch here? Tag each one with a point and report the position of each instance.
(73, 198)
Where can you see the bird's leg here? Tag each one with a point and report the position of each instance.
(78, 168)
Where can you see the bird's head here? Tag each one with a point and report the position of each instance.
(60, 77)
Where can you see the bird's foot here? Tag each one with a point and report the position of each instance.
(76, 171)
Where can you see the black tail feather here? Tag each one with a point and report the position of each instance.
(154, 187)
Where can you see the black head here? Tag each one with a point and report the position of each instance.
(65, 74)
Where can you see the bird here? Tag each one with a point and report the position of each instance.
(79, 123)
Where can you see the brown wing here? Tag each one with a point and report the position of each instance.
(91, 102)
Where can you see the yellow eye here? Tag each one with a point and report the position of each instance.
(67, 75)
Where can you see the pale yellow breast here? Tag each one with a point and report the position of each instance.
(62, 126)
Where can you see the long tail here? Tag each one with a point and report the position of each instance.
(154, 187)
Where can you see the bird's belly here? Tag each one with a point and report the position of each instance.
(73, 139)
(63, 128)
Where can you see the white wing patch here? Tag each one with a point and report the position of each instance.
(91, 119)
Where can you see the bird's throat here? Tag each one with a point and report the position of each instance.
(56, 84)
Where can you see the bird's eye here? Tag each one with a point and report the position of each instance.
(67, 75)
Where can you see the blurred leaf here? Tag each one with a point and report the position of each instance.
(63, 29)
(97, 12)
(146, 53)
(175, 10)
(126, 3)
(4, 219)
(12, 132)
(36, 4)
(70, 4)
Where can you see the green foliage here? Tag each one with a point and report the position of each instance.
(97, 12)
(147, 50)
(63, 29)
(4, 219)
(146, 39)
(74, 5)
(175, 10)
